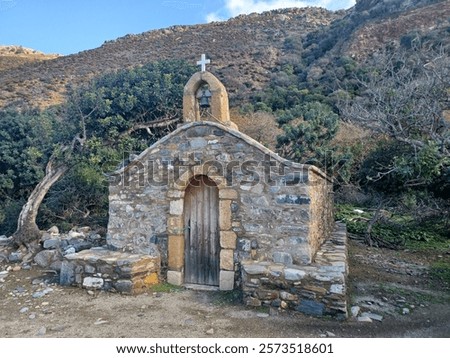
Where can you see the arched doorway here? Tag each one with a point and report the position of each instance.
(201, 234)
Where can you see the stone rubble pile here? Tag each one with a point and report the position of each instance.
(51, 249)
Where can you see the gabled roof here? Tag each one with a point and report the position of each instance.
(235, 133)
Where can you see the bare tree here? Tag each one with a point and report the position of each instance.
(403, 95)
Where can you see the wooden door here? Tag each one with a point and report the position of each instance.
(201, 222)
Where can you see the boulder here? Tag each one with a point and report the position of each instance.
(46, 257)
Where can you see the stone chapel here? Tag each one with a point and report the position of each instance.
(208, 207)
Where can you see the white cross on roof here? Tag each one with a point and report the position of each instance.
(203, 62)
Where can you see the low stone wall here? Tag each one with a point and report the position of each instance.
(114, 271)
(318, 289)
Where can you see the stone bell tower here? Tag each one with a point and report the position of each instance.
(205, 98)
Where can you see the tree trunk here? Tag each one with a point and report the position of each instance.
(27, 229)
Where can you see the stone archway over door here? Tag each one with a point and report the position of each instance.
(201, 235)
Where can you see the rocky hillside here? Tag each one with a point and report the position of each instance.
(245, 50)
(12, 57)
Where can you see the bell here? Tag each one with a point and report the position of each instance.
(204, 99)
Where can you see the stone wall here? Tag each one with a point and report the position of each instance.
(318, 289)
(102, 269)
(270, 209)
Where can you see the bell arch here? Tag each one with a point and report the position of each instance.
(219, 99)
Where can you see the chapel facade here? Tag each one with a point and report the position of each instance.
(224, 211)
(208, 207)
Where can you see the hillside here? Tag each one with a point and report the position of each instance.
(245, 50)
(12, 57)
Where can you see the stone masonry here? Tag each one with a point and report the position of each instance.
(101, 269)
(318, 289)
(267, 223)
(270, 209)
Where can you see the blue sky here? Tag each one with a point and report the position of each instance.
(70, 26)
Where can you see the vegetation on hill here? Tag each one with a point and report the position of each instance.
(75, 144)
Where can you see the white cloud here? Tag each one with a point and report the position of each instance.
(236, 7)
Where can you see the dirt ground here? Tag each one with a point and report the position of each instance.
(392, 284)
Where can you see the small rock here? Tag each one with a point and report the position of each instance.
(58, 328)
(53, 230)
(355, 311)
(262, 315)
(32, 316)
(15, 257)
(24, 310)
(37, 281)
(38, 294)
(364, 319)
(20, 289)
(42, 293)
(372, 316)
(405, 311)
(42, 331)
(189, 322)
(76, 234)
(100, 321)
(330, 334)
(93, 282)
(52, 243)
(16, 268)
(90, 293)
(210, 331)
(69, 251)
(45, 303)
(46, 257)
(273, 311)
(5, 241)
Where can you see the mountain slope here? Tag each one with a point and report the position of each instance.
(246, 51)
(243, 51)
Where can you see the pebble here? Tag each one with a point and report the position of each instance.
(37, 281)
(58, 328)
(90, 293)
(45, 303)
(330, 334)
(16, 268)
(32, 316)
(355, 311)
(24, 310)
(405, 311)
(42, 331)
(372, 316)
(262, 315)
(364, 319)
(210, 331)
(42, 293)
(100, 321)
